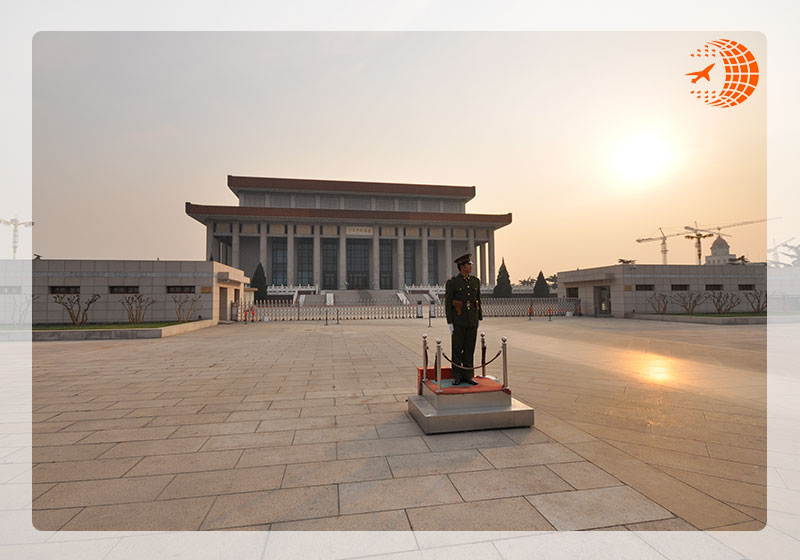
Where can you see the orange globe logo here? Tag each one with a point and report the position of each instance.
(741, 73)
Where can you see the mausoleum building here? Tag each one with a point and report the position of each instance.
(337, 235)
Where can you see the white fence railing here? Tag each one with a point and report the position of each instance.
(284, 311)
(275, 290)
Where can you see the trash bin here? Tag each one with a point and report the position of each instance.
(419, 309)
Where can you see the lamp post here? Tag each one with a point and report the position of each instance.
(16, 224)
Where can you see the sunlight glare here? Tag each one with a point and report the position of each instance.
(655, 368)
(641, 156)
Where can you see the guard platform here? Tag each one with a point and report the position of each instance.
(440, 407)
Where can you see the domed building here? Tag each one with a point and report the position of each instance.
(720, 252)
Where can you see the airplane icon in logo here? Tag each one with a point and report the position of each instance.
(701, 74)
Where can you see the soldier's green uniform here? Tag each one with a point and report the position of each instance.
(465, 289)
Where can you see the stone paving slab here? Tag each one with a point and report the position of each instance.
(600, 507)
(167, 515)
(287, 424)
(134, 434)
(52, 519)
(239, 510)
(531, 454)
(103, 492)
(314, 434)
(242, 441)
(229, 481)
(287, 455)
(362, 497)
(698, 508)
(468, 440)
(186, 462)
(333, 472)
(584, 475)
(82, 470)
(503, 483)
(376, 521)
(380, 419)
(222, 428)
(69, 452)
(438, 463)
(380, 447)
(336, 434)
(157, 447)
(507, 514)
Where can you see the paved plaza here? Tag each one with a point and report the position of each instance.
(301, 426)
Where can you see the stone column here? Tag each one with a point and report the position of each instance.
(401, 258)
(492, 275)
(342, 258)
(235, 249)
(210, 241)
(291, 267)
(376, 255)
(262, 247)
(317, 255)
(425, 263)
(448, 252)
(484, 278)
(471, 244)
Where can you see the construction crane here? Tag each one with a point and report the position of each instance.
(699, 233)
(663, 240)
(16, 224)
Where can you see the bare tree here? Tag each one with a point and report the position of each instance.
(724, 301)
(658, 302)
(136, 306)
(72, 303)
(689, 300)
(183, 312)
(757, 300)
(19, 313)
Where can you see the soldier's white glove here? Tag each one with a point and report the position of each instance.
(451, 327)
(479, 324)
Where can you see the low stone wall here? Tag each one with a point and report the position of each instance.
(120, 334)
(702, 320)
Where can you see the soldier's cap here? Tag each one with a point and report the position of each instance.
(464, 259)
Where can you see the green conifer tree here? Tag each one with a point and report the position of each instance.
(259, 282)
(541, 289)
(503, 286)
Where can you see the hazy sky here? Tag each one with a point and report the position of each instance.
(591, 140)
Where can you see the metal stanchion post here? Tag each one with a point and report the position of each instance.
(483, 354)
(424, 357)
(438, 365)
(337, 315)
(505, 364)
(326, 316)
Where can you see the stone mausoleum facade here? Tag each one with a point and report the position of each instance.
(338, 235)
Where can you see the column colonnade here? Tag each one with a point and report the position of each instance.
(483, 251)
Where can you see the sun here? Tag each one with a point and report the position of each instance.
(641, 156)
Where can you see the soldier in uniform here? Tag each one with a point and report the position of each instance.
(462, 303)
